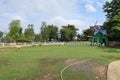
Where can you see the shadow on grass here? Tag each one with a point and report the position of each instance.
(111, 58)
(4, 62)
(111, 50)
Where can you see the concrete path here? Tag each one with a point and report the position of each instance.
(113, 71)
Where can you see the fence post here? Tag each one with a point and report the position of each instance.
(3, 44)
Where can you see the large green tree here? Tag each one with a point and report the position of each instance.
(15, 31)
(112, 10)
(68, 33)
(48, 32)
(29, 33)
(44, 32)
(52, 32)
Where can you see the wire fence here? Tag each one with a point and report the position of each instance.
(44, 43)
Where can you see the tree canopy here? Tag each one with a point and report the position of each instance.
(15, 31)
(68, 33)
(43, 33)
(48, 32)
(86, 33)
(29, 33)
(112, 10)
(52, 32)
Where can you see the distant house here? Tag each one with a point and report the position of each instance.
(99, 35)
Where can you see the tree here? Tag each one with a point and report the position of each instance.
(68, 33)
(78, 37)
(37, 38)
(48, 32)
(43, 33)
(1, 34)
(15, 31)
(86, 33)
(73, 31)
(52, 32)
(112, 10)
(29, 33)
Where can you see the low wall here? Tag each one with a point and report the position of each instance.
(114, 44)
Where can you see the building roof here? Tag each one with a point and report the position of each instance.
(102, 32)
(98, 30)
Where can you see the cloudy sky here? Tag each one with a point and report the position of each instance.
(81, 13)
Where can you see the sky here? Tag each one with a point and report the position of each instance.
(81, 13)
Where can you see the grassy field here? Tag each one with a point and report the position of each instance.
(46, 62)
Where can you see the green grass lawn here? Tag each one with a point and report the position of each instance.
(37, 63)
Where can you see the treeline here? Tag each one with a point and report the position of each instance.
(47, 33)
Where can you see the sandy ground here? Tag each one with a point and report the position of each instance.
(114, 71)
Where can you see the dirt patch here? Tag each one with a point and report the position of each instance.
(76, 67)
(90, 68)
(48, 77)
(69, 61)
(100, 71)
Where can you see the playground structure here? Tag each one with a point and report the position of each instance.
(99, 35)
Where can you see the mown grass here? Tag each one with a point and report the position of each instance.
(32, 63)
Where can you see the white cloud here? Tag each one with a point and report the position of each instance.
(96, 3)
(109, 0)
(35, 11)
(89, 1)
(90, 8)
(18, 18)
(49, 7)
(100, 4)
(60, 21)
